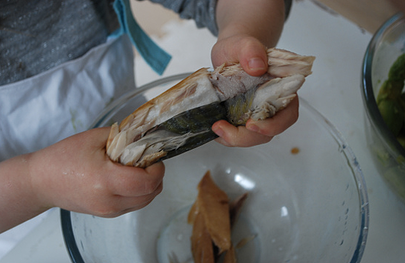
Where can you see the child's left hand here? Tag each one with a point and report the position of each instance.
(252, 55)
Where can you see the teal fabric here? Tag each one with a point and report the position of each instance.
(157, 58)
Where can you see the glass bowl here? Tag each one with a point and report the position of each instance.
(307, 198)
(384, 48)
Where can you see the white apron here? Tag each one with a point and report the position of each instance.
(41, 110)
(44, 109)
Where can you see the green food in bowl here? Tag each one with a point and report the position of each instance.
(390, 99)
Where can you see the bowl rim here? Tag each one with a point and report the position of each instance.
(65, 216)
(391, 144)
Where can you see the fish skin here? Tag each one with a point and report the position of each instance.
(181, 129)
(183, 95)
(228, 88)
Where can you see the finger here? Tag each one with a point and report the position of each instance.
(278, 123)
(248, 51)
(134, 182)
(129, 204)
(237, 136)
(257, 132)
(120, 205)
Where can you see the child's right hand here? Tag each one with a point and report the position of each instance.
(77, 175)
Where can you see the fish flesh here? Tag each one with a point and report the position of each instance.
(181, 118)
(213, 205)
(209, 216)
(213, 216)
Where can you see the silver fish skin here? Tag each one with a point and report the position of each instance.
(181, 118)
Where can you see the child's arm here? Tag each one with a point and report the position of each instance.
(77, 175)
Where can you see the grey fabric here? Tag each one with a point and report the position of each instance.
(202, 11)
(37, 35)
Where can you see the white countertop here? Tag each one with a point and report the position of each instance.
(333, 89)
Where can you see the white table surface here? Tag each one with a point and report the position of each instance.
(333, 89)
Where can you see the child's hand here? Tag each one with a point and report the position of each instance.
(256, 132)
(252, 56)
(246, 29)
(77, 175)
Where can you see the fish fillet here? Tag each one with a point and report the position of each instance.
(180, 119)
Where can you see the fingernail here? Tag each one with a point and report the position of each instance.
(256, 64)
(253, 128)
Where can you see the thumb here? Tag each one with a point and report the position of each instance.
(253, 58)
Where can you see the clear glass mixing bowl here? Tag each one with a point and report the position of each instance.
(307, 198)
